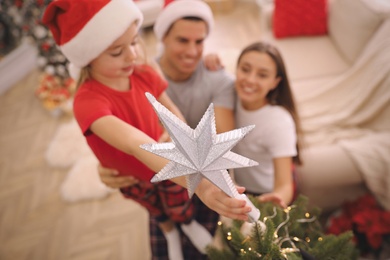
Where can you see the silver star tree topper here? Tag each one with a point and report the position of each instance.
(200, 153)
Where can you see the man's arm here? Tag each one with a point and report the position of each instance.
(111, 179)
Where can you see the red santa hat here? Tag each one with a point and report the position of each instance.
(179, 9)
(83, 29)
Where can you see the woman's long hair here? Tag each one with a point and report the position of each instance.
(281, 95)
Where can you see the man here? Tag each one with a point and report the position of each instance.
(182, 28)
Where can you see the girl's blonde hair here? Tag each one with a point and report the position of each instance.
(84, 76)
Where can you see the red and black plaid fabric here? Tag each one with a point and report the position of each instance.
(202, 214)
(163, 199)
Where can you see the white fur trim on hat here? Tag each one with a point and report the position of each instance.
(101, 31)
(74, 72)
(179, 9)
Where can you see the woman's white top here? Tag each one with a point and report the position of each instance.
(274, 136)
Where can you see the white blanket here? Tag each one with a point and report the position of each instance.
(353, 111)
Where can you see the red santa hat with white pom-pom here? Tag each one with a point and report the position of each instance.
(83, 29)
(178, 9)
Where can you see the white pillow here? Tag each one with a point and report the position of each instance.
(351, 24)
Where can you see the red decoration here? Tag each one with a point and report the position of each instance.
(19, 3)
(26, 28)
(369, 222)
(299, 18)
(53, 91)
(45, 46)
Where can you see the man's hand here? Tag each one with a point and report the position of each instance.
(111, 179)
(212, 62)
(221, 203)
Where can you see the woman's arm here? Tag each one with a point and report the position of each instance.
(282, 193)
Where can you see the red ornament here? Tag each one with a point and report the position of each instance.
(45, 46)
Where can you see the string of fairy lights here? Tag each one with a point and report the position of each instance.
(278, 238)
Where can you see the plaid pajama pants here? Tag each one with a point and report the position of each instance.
(163, 200)
(202, 214)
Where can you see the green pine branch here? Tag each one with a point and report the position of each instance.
(283, 233)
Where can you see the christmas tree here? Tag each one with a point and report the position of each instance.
(21, 20)
(291, 233)
(10, 27)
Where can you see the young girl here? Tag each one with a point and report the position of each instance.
(100, 40)
(265, 100)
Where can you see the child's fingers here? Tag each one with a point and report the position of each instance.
(240, 189)
(235, 209)
(221, 203)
